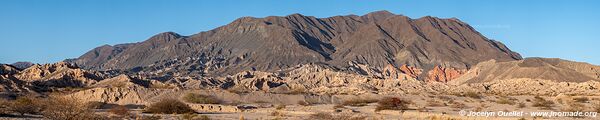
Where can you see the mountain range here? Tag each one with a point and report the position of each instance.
(278, 42)
(376, 53)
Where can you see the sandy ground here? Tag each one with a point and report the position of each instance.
(423, 107)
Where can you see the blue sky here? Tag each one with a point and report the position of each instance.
(44, 31)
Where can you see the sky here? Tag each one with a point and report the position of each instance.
(47, 31)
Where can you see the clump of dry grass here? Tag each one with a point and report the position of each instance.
(540, 102)
(338, 106)
(481, 107)
(506, 100)
(521, 105)
(581, 99)
(596, 106)
(329, 116)
(277, 113)
(470, 94)
(119, 110)
(393, 103)
(573, 107)
(458, 105)
(435, 103)
(280, 107)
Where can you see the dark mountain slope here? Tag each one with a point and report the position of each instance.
(272, 43)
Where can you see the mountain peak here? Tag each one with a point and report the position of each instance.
(377, 15)
(380, 13)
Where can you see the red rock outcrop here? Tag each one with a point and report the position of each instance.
(390, 71)
(411, 71)
(443, 74)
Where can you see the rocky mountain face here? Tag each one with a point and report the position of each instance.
(274, 43)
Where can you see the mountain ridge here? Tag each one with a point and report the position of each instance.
(277, 42)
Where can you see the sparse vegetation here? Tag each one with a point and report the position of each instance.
(280, 107)
(277, 113)
(24, 105)
(435, 103)
(521, 105)
(472, 94)
(329, 116)
(200, 99)
(506, 100)
(119, 110)
(169, 106)
(203, 117)
(540, 102)
(358, 102)
(596, 106)
(581, 99)
(95, 104)
(58, 108)
(458, 105)
(338, 106)
(189, 116)
(392, 103)
(573, 107)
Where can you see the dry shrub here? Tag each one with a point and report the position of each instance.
(338, 106)
(435, 103)
(472, 94)
(169, 106)
(60, 108)
(280, 107)
(581, 99)
(506, 100)
(521, 105)
(329, 116)
(152, 117)
(4, 107)
(200, 99)
(189, 116)
(542, 103)
(119, 110)
(24, 105)
(203, 117)
(359, 102)
(573, 107)
(95, 104)
(392, 103)
(303, 103)
(458, 105)
(277, 113)
(596, 107)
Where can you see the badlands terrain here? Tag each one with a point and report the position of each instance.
(376, 66)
